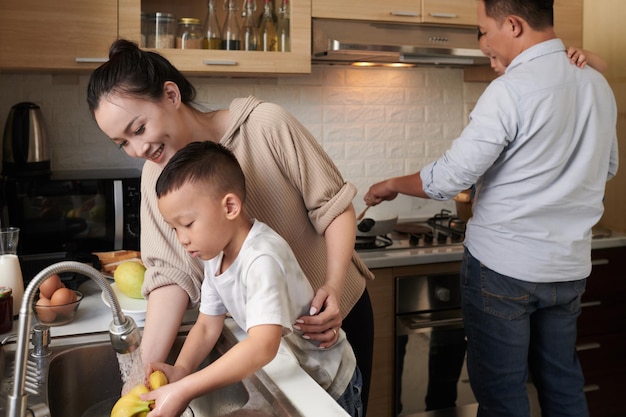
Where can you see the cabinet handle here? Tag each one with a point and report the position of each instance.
(587, 346)
(444, 15)
(404, 13)
(591, 304)
(218, 62)
(597, 262)
(591, 388)
(82, 60)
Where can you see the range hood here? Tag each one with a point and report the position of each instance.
(349, 42)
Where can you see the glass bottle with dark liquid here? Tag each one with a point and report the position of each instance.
(230, 33)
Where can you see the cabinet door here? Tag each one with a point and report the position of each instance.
(219, 62)
(384, 11)
(450, 12)
(61, 34)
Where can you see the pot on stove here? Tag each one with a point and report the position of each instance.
(379, 221)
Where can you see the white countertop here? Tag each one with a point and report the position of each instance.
(94, 317)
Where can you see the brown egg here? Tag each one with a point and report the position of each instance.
(50, 285)
(60, 298)
(44, 312)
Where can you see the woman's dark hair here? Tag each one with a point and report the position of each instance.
(539, 14)
(203, 162)
(133, 71)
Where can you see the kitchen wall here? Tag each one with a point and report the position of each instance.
(374, 122)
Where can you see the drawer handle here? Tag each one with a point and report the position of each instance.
(591, 304)
(82, 60)
(597, 262)
(444, 15)
(219, 62)
(404, 13)
(587, 346)
(591, 388)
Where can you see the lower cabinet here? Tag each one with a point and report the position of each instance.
(602, 334)
(381, 292)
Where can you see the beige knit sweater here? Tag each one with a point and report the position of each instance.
(292, 185)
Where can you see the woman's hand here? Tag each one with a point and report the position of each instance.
(325, 320)
(577, 57)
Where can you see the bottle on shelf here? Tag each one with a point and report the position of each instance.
(230, 34)
(249, 30)
(212, 38)
(267, 29)
(282, 27)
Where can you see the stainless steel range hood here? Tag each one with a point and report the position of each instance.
(348, 42)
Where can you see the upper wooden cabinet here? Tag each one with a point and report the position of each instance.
(57, 35)
(76, 35)
(447, 12)
(450, 12)
(219, 62)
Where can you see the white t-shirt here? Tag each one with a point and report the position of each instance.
(265, 285)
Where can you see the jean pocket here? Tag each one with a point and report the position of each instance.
(504, 296)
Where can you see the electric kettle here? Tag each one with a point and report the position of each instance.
(25, 142)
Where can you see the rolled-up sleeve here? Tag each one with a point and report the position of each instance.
(491, 128)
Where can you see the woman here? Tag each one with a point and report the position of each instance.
(143, 104)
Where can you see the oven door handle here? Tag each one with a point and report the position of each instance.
(418, 324)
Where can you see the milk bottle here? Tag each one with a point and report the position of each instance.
(10, 271)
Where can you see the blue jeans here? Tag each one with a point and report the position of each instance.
(515, 327)
(350, 400)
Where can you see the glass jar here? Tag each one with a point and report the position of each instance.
(6, 309)
(160, 30)
(189, 33)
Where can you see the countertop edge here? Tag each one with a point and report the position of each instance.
(420, 256)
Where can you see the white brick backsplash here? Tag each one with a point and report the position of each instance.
(374, 123)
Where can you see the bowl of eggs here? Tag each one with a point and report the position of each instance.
(56, 304)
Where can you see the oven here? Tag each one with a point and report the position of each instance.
(430, 362)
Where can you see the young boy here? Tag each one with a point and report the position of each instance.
(249, 272)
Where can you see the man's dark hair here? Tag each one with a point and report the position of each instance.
(203, 162)
(539, 14)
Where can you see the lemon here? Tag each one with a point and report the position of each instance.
(128, 277)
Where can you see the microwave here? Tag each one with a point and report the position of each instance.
(76, 212)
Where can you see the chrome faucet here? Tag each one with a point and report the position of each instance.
(125, 336)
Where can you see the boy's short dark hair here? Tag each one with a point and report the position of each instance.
(206, 162)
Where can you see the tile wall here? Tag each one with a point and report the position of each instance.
(374, 123)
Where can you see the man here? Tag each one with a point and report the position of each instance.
(540, 146)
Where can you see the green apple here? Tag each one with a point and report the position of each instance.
(128, 277)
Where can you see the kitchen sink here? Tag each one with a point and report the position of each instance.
(83, 380)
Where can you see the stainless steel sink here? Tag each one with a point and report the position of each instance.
(83, 380)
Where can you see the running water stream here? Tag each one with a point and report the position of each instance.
(131, 369)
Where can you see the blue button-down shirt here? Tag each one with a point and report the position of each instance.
(540, 145)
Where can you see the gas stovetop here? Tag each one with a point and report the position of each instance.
(441, 230)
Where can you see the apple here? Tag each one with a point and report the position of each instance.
(128, 277)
